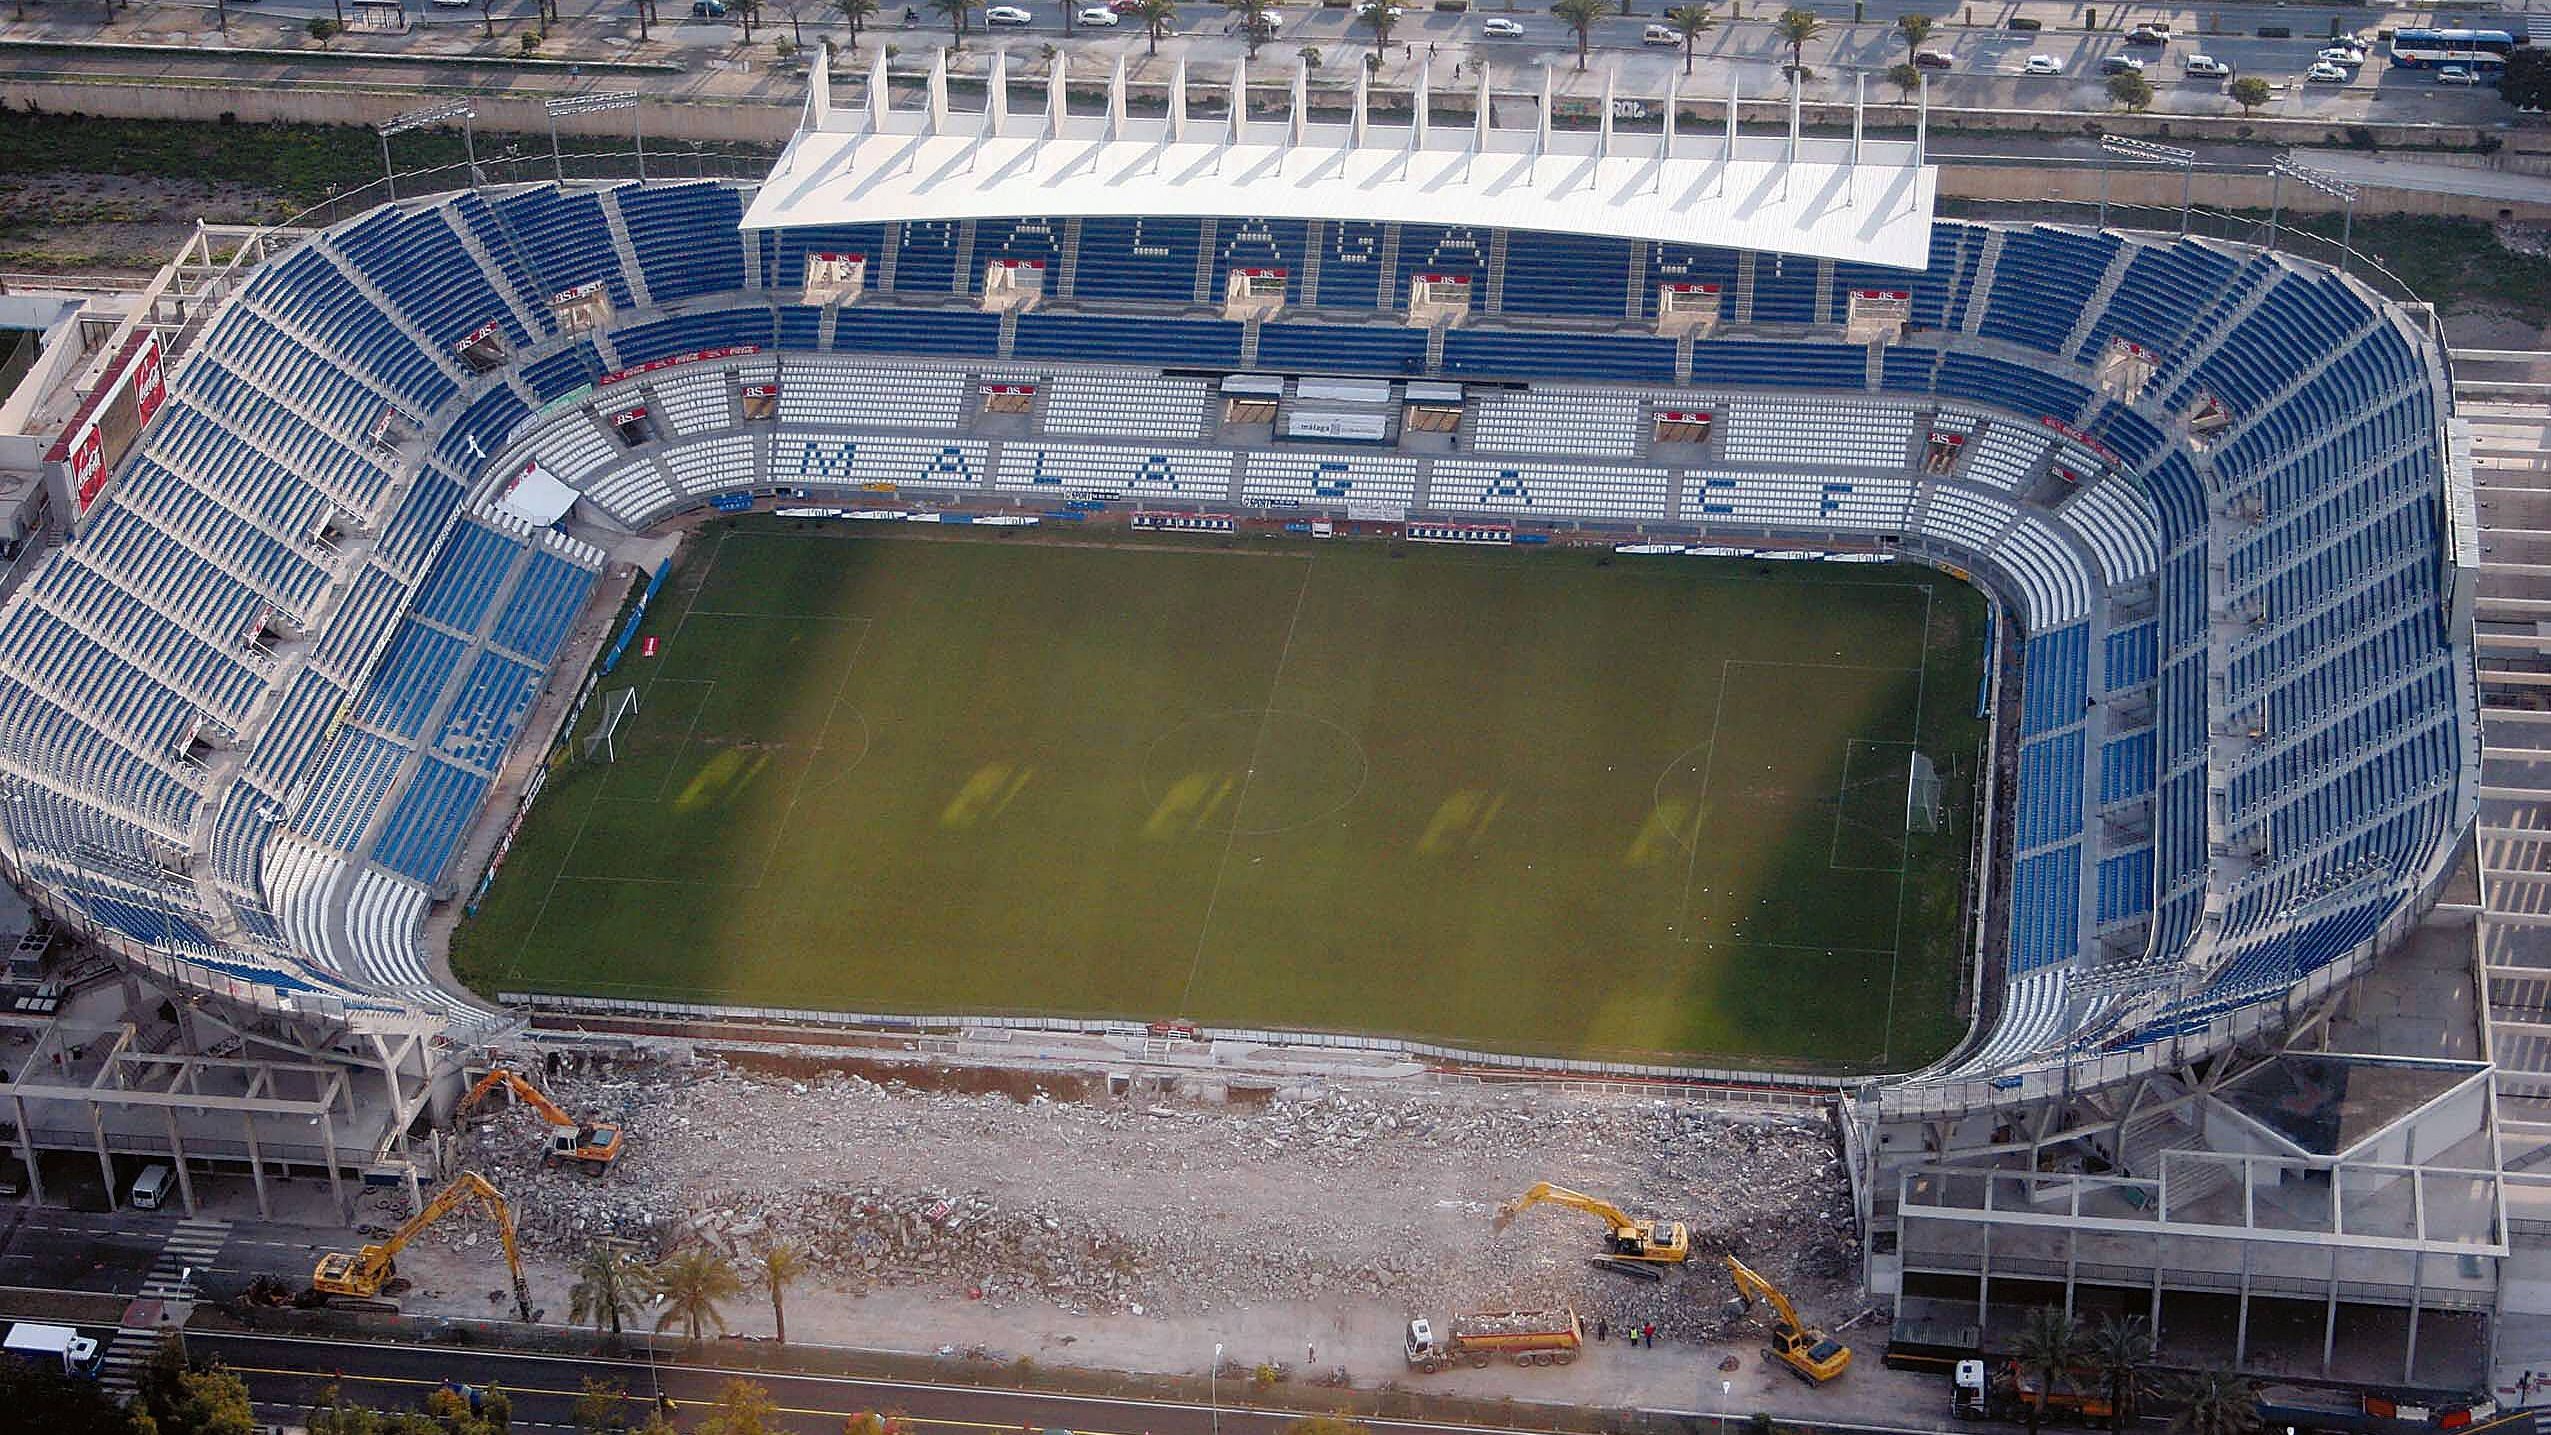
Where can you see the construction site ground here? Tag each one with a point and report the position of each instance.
(1066, 1227)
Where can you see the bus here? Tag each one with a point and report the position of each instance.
(2481, 51)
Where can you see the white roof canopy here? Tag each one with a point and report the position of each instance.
(1855, 199)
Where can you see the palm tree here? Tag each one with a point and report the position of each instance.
(1253, 22)
(857, 14)
(2215, 1404)
(1691, 22)
(2121, 1346)
(610, 1282)
(1913, 30)
(1376, 16)
(782, 1265)
(1796, 27)
(955, 11)
(2048, 1346)
(1157, 16)
(693, 1284)
(1580, 15)
(643, 17)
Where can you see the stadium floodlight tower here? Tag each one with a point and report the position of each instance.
(427, 118)
(596, 104)
(2146, 152)
(2313, 179)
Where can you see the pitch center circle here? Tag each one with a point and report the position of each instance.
(1250, 772)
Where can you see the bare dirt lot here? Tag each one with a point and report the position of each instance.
(1111, 1231)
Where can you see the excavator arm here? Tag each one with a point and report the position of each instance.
(1754, 1288)
(1814, 1356)
(1611, 1215)
(531, 1096)
(366, 1272)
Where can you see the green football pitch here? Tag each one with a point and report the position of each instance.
(1526, 800)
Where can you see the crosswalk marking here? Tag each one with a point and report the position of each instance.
(193, 1243)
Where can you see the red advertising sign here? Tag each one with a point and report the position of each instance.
(150, 387)
(2077, 436)
(130, 390)
(88, 467)
(670, 361)
(647, 648)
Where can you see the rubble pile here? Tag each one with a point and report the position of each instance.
(1161, 1207)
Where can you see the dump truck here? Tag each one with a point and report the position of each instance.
(1474, 1338)
(57, 1348)
(2005, 1392)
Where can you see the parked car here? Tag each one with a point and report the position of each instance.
(2456, 75)
(2325, 73)
(2347, 55)
(1007, 15)
(708, 9)
(2207, 67)
(1660, 35)
(2042, 65)
(2148, 35)
(1501, 29)
(1933, 60)
(1097, 15)
(2120, 65)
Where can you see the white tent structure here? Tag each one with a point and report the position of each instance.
(1855, 199)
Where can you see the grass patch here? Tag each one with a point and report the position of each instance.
(1530, 801)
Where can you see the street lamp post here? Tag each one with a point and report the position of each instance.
(595, 104)
(2326, 183)
(2145, 152)
(1213, 1388)
(655, 1381)
(444, 113)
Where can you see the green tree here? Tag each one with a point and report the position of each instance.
(1157, 16)
(2526, 81)
(694, 1283)
(1913, 30)
(2047, 1348)
(602, 1408)
(1796, 29)
(2215, 1403)
(857, 14)
(781, 1266)
(2131, 90)
(1579, 16)
(179, 1397)
(743, 1408)
(1309, 55)
(955, 12)
(1906, 77)
(323, 29)
(2121, 1346)
(610, 1284)
(56, 1404)
(1376, 16)
(1255, 25)
(2250, 92)
(1691, 22)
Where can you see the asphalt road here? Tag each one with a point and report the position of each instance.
(284, 1375)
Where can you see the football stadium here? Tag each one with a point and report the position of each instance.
(1655, 602)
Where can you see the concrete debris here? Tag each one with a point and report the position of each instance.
(1159, 1207)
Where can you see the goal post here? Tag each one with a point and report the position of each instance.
(616, 706)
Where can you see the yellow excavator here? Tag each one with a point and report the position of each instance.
(593, 1145)
(1635, 1244)
(1810, 1354)
(356, 1279)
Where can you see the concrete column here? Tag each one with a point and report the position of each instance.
(336, 1181)
(2241, 1327)
(105, 1163)
(1984, 1278)
(177, 1154)
(256, 1163)
(2417, 1304)
(26, 1152)
(2329, 1320)
(2160, 1253)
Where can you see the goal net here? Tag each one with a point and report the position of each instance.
(617, 705)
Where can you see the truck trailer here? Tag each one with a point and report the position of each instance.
(1526, 1337)
(52, 1347)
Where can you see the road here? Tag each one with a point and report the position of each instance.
(285, 1374)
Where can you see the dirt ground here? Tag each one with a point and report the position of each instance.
(1138, 1233)
(106, 224)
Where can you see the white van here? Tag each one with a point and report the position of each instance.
(151, 1188)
